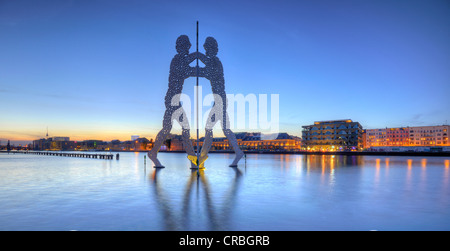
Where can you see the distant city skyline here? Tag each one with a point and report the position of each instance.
(99, 69)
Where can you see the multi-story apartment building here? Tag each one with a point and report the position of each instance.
(374, 137)
(387, 137)
(429, 136)
(408, 136)
(333, 135)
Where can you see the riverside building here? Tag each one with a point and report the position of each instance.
(333, 135)
(247, 142)
(408, 136)
(429, 135)
(387, 137)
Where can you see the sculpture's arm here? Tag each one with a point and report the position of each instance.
(202, 57)
(191, 57)
(193, 72)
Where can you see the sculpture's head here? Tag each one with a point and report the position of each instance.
(211, 47)
(183, 45)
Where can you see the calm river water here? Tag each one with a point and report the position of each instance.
(266, 192)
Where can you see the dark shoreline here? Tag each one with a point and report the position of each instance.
(427, 154)
(430, 154)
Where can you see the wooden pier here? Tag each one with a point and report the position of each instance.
(70, 154)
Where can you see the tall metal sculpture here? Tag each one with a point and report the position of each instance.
(179, 71)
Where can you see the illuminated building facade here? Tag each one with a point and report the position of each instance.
(333, 135)
(138, 144)
(387, 137)
(247, 142)
(408, 136)
(54, 144)
(253, 141)
(429, 136)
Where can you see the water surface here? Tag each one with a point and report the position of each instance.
(266, 192)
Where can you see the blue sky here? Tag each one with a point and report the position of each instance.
(99, 69)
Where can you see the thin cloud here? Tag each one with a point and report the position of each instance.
(18, 91)
(20, 134)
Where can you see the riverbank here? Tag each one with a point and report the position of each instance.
(431, 154)
(354, 153)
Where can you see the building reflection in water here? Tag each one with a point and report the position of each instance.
(408, 173)
(176, 219)
(409, 161)
(446, 174)
(424, 163)
(423, 175)
(377, 171)
(327, 163)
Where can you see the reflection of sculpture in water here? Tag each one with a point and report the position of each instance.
(179, 71)
(171, 221)
(216, 221)
(213, 71)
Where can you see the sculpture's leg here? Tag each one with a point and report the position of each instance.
(206, 144)
(231, 139)
(187, 143)
(234, 144)
(160, 138)
(188, 147)
(186, 135)
(152, 154)
(210, 123)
